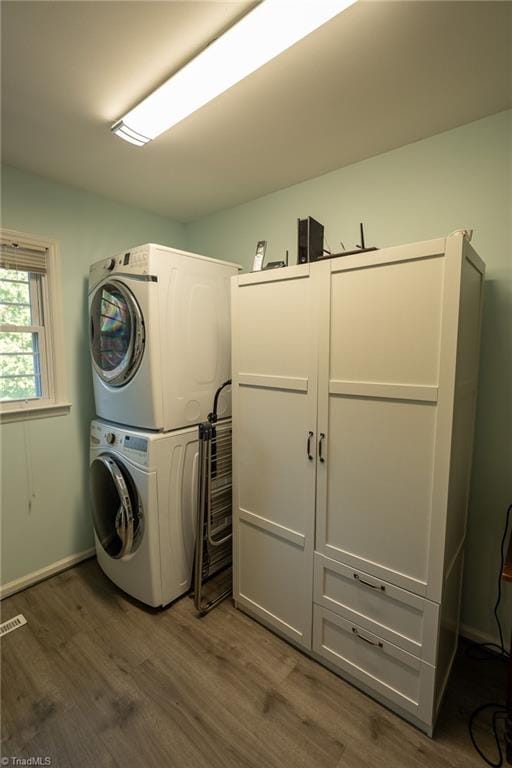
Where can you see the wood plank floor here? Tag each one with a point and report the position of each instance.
(96, 680)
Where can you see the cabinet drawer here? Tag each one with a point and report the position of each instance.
(398, 616)
(381, 667)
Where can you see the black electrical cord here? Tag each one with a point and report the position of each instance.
(502, 564)
(495, 650)
(500, 711)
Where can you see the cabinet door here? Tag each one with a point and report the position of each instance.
(274, 419)
(382, 370)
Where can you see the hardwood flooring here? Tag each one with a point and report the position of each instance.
(96, 680)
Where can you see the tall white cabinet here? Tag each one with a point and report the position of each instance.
(354, 391)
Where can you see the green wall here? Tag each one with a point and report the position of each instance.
(461, 178)
(49, 457)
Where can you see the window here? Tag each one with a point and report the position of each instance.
(31, 364)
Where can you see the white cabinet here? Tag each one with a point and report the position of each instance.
(372, 360)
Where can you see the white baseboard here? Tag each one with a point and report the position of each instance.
(44, 573)
(481, 637)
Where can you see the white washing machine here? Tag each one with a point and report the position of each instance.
(159, 332)
(143, 488)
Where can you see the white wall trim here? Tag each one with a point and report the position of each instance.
(28, 411)
(482, 637)
(44, 573)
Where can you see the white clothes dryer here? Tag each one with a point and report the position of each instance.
(159, 332)
(144, 490)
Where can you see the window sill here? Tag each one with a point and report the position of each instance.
(22, 413)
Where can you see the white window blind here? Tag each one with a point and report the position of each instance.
(19, 257)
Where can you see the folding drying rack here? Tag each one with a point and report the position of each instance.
(213, 552)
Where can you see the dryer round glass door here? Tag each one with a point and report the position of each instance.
(116, 507)
(116, 333)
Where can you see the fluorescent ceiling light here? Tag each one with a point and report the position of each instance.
(261, 35)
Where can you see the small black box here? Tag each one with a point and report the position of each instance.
(310, 240)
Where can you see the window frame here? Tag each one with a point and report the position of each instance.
(54, 400)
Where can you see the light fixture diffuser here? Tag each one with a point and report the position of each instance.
(265, 32)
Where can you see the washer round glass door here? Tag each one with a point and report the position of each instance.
(116, 507)
(116, 333)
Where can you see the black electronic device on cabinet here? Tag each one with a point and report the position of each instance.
(277, 264)
(310, 240)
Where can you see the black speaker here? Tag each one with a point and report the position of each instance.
(310, 240)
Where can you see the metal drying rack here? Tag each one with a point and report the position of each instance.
(213, 552)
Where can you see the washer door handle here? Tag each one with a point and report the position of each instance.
(124, 521)
(124, 529)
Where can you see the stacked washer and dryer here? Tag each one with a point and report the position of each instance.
(160, 347)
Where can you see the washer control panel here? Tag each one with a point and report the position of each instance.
(136, 448)
(133, 446)
(134, 443)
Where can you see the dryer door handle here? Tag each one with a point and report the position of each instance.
(124, 521)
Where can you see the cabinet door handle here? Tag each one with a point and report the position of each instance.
(320, 455)
(308, 446)
(370, 642)
(381, 587)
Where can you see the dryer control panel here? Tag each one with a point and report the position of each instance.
(132, 262)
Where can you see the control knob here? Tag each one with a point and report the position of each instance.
(111, 264)
(110, 438)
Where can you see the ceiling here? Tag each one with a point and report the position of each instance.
(380, 75)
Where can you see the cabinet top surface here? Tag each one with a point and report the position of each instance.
(410, 251)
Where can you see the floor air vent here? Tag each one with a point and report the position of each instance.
(8, 626)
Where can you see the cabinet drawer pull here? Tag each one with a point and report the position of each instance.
(308, 446)
(370, 642)
(381, 587)
(320, 456)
